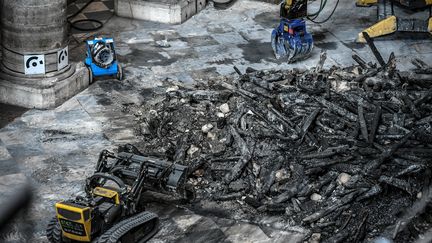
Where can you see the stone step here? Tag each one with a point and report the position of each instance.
(164, 11)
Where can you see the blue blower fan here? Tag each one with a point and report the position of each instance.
(101, 59)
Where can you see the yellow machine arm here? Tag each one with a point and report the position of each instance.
(390, 23)
(293, 9)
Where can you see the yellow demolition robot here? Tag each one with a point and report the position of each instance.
(389, 23)
(111, 210)
(75, 219)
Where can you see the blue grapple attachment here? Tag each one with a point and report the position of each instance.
(290, 39)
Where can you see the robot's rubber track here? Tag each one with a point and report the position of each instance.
(53, 231)
(114, 234)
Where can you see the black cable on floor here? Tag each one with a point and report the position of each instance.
(331, 14)
(74, 25)
(315, 15)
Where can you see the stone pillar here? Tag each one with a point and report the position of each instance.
(34, 29)
(1, 7)
(35, 68)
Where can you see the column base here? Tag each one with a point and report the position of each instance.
(43, 92)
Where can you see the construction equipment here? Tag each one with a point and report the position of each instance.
(389, 23)
(111, 210)
(101, 58)
(290, 39)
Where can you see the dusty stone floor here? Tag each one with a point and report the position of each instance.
(56, 149)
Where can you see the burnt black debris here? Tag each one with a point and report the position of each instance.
(343, 152)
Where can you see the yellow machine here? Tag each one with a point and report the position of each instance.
(111, 211)
(74, 220)
(389, 23)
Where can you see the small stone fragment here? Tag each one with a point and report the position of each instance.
(343, 178)
(153, 113)
(256, 169)
(206, 128)
(138, 113)
(224, 108)
(220, 115)
(192, 150)
(315, 238)
(163, 43)
(199, 172)
(282, 175)
(353, 181)
(316, 197)
(217, 148)
(144, 128)
(211, 136)
(172, 88)
(356, 71)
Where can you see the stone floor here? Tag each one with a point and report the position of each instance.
(56, 149)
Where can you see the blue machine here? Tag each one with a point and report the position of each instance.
(290, 39)
(101, 59)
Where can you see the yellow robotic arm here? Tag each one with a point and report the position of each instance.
(293, 9)
(390, 23)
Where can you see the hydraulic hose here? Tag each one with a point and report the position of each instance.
(319, 11)
(316, 14)
(74, 25)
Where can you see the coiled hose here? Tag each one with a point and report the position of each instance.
(74, 25)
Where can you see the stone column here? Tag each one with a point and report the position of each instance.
(1, 7)
(35, 68)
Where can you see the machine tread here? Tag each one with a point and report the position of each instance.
(119, 72)
(53, 232)
(114, 234)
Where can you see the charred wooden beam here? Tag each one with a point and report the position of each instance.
(375, 123)
(398, 183)
(337, 109)
(375, 51)
(246, 156)
(363, 126)
(308, 122)
(360, 61)
(334, 206)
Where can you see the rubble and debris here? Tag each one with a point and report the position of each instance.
(342, 152)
